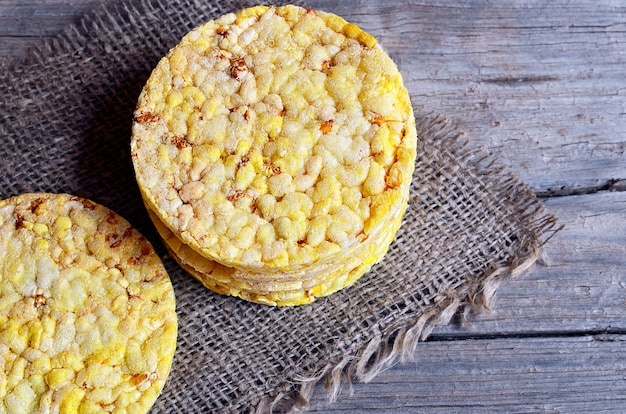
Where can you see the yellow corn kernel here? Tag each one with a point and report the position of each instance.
(260, 185)
(336, 235)
(127, 398)
(40, 228)
(288, 229)
(245, 238)
(250, 12)
(91, 407)
(187, 108)
(103, 396)
(61, 225)
(36, 334)
(375, 182)
(69, 360)
(190, 92)
(266, 233)
(11, 336)
(48, 326)
(317, 230)
(335, 22)
(329, 249)
(16, 373)
(134, 357)
(37, 383)
(245, 176)
(280, 184)
(266, 205)
(42, 244)
(58, 377)
(178, 61)
(71, 400)
(281, 259)
(174, 98)
(353, 31)
(274, 126)
(243, 146)
(211, 106)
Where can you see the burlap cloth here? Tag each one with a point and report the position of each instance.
(66, 113)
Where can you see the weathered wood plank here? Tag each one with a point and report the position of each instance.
(517, 375)
(31, 18)
(26, 23)
(579, 283)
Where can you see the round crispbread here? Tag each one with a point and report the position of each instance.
(87, 310)
(275, 139)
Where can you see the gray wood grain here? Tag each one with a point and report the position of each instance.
(24, 23)
(514, 375)
(542, 85)
(579, 283)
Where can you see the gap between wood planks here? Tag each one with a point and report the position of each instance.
(613, 184)
(605, 334)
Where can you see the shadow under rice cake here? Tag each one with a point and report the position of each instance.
(276, 145)
(87, 310)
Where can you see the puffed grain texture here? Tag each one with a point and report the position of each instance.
(87, 310)
(275, 139)
(284, 289)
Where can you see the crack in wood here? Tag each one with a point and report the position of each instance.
(517, 80)
(611, 185)
(603, 334)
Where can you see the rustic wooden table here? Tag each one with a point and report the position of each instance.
(542, 85)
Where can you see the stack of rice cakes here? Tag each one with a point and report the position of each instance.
(274, 150)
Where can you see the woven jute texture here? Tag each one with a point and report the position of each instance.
(66, 114)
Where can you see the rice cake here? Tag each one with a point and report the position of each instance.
(289, 289)
(87, 310)
(275, 139)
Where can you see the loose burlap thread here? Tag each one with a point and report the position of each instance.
(66, 114)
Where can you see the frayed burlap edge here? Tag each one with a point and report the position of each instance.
(400, 345)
